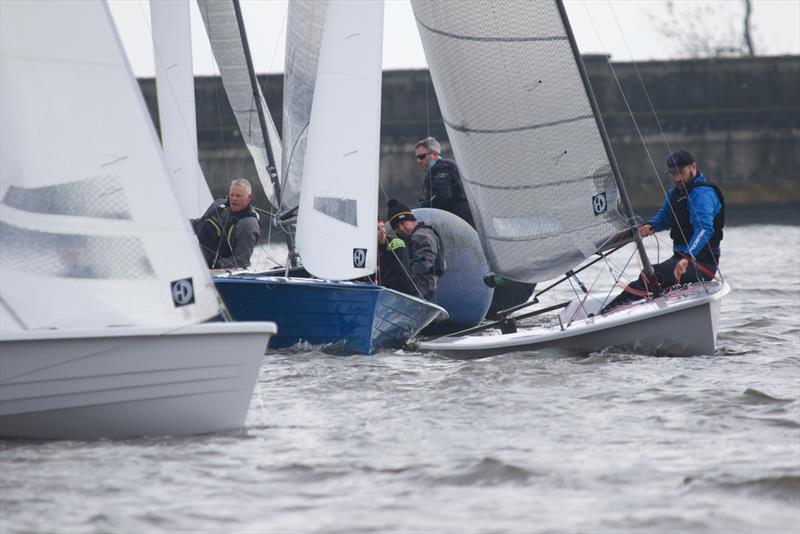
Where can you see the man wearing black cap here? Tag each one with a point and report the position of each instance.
(419, 274)
(694, 212)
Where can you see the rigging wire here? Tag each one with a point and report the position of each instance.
(663, 135)
(635, 122)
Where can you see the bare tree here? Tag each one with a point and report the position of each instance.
(684, 26)
(748, 38)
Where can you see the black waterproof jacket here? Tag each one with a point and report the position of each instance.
(442, 188)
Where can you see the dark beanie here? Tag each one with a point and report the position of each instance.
(679, 158)
(398, 212)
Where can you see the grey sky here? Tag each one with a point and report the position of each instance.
(600, 26)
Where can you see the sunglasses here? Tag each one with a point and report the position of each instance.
(675, 172)
(422, 156)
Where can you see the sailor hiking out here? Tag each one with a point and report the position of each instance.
(228, 230)
(413, 262)
(694, 212)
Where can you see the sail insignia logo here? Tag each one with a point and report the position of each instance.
(599, 203)
(182, 292)
(359, 258)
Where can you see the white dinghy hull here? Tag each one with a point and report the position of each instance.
(129, 381)
(683, 323)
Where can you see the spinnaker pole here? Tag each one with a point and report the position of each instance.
(262, 121)
(626, 202)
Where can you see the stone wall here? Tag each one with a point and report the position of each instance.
(739, 116)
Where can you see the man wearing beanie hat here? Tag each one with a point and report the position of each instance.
(694, 212)
(413, 261)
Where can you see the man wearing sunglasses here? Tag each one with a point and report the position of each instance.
(442, 186)
(694, 212)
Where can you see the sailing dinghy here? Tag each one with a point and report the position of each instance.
(332, 99)
(542, 181)
(104, 297)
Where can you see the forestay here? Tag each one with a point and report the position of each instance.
(337, 216)
(90, 230)
(226, 43)
(172, 44)
(536, 173)
(304, 26)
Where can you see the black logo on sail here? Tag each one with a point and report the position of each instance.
(599, 204)
(359, 258)
(182, 292)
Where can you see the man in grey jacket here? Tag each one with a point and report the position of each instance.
(424, 249)
(228, 230)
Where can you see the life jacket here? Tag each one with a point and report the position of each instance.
(439, 264)
(215, 232)
(681, 228)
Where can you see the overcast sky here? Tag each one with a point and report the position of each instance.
(635, 25)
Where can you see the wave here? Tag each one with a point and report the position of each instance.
(754, 396)
(780, 486)
(489, 472)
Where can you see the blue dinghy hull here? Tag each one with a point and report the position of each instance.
(352, 317)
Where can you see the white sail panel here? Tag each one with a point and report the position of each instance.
(337, 216)
(172, 43)
(90, 228)
(519, 119)
(226, 43)
(305, 22)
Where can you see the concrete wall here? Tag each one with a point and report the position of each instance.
(739, 116)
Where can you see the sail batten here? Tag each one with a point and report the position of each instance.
(535, 170)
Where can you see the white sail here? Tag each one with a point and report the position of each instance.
(305, 22)
(518, 116)
(90, 229)
(226, 43)
(172, 44)
(337, 217)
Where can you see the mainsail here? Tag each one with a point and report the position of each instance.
(90, 231)
(226, 43)
(537, 175)
(306, 20)
(172, 43)
(337, 216)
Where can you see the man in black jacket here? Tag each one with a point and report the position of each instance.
(442, 187)
(228, 230)
(412, 262)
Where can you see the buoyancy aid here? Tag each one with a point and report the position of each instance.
(681, 228)
(215, 232)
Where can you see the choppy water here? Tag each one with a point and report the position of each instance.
(536, 442)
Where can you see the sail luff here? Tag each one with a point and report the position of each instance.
(623, 192)
(227, 44)
(304, 27)
(172, 45)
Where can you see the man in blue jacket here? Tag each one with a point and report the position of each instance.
(694, 212)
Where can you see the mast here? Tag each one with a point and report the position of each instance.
(262, 122)
(626, 202)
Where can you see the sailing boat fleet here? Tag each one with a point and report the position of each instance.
(109, 320)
